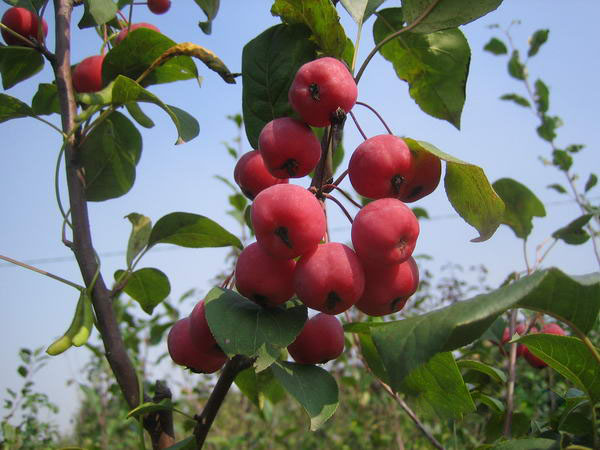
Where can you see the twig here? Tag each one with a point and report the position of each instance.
(374, 111)
(394, 35)
(358, 126)
(329, 187)
(217, 396)
(510, 386)
(42, 272)
(337, 202)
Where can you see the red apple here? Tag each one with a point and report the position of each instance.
(321, 340)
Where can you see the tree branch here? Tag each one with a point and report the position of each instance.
(205, 420)
(83, 248)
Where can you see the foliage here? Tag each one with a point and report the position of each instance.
(437, 362)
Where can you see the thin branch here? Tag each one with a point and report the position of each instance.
(358, 126)
(394, 35)
(42, 272)
(510, 386)
(329, 187)
(217, 396)
(337, 202)
(374, 111)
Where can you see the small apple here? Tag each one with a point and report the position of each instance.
(24, 22)
(159, 6)
(125, 31)
(87, 75)
(321, 340)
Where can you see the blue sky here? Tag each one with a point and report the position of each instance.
(495, 135)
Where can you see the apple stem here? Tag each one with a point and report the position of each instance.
(374, 111)
(358, 126)
(329, 187)
(337, 202)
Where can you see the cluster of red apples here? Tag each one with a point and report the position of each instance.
(87, 75)
(292, 254)
(522, 351)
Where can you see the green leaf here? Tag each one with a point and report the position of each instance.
(542, 96)
(517, 99)
(526, 444)
(361, 10)
(446, 14)
(238, 201)
(591, 182)
(241, 327)
(109, 156)
(575, 148)
(45, 101)
(439, 388)
(496, 46)
(521, 206)
(516, 69)
(269, 63)
(495, 405)
(125, 90)
(138, 51)
(22, 370)
(18, 64)
(469, 191)
(313, 387)
(321, 17)
(435, 65)
(407, 344)
(421, 213)
(150, 407)
(134, 110)
(210, 8)
(148, 286)
(140, 233)
(547, 130)
(97, 12)
(192, 231)
(558, 188)
(568, 356)
(538, 39)
(562, 160)
(259, 387)
(13, 108)
(471, 364)
(573, 233)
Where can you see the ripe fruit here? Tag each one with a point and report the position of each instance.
(185, 352)
(520, 330)
(330, 278)
(262, 278)
(321, 340)
(380, 167)
(24, 22)
(252, 176)
(124, 32)
(159, 6)
(388, 288)
(426, 170)
(288, 220)
(534, 361)
(202, 337)
(289, 148)
(87, 75)
(384, 232)
(319, 88)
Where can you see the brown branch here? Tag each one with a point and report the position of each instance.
(205, 420)
(83, 248)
